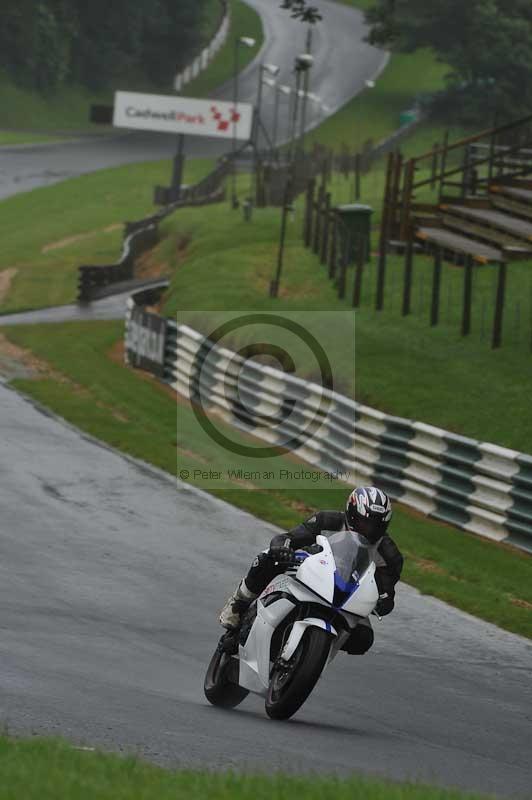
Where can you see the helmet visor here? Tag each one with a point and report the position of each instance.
(372, 527)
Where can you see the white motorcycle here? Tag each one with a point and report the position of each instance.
(297, 626)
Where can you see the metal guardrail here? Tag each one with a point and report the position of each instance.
(203, 60)
(476, 486)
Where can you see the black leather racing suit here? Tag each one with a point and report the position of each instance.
(389, 566)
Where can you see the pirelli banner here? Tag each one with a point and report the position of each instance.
(174, 114)
(145, 341)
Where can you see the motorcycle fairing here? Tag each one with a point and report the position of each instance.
(314, 582)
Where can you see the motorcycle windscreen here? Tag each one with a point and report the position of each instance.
(352, 556)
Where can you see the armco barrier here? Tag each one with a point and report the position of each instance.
(203, 60)
(93, 281)
(476, 486)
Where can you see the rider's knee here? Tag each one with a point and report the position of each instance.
(261, 572)
(360, 641)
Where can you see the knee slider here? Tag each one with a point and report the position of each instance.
(360, 641)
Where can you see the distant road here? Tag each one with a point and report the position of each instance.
(343, 62)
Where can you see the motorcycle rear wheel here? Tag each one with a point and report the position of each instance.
(218, 689)
(289, 688)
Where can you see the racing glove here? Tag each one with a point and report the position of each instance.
(385, 604)
(281, 550)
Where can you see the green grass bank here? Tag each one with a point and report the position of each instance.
(50, 769)
(429, 374)
(48, 232)
(93, 390)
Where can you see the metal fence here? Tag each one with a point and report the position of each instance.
(476, 486)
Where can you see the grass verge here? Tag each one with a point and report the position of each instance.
(93, 390)
(42, 769)
(374, 114)
(74, 222)
(8, 138)
(362, 4)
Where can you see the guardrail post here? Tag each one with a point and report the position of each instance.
(387, 201)
(309, 211)
(359, 270)
(443, 165)
(406, 199)
(499, 306)
(435, 149)
(333, 251)
(325, 232)
(436, 283)
(395, 192)
(358, 159)
(318, 220)
(409, 264)
(344, 260)
(468, 288)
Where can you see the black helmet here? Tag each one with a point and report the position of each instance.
(368, 512)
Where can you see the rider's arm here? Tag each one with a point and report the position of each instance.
(305, 533)
(389, 564)
(392, 558)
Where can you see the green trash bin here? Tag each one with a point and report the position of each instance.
(408, 117)
(355, 230)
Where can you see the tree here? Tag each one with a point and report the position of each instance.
(46, 43)
(35, 41)
(487, 44)
(302, 11)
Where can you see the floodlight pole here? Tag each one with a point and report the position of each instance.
(234, 199)
(179, 166)
(306, 87)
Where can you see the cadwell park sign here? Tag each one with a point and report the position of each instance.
(182, 115)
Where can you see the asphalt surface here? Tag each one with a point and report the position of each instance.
(110, 584)
(107, 308)
(343, 62)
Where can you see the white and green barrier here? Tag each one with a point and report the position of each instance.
(203, 60)
(476, 486)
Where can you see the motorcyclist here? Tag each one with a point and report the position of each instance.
(368, 513)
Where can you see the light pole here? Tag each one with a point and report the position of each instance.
(306, 93)
(271, 69)
(246, 41)
(279, 90)
(302, 64)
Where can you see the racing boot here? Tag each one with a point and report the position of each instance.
(237, 605)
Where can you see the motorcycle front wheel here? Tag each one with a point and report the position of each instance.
(219, 690)
(290, 685)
